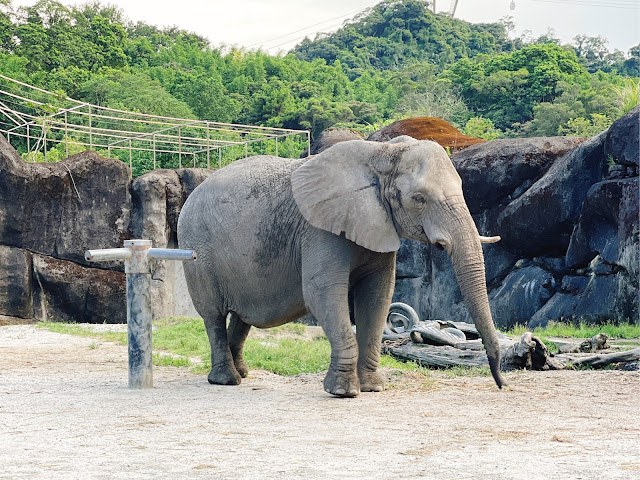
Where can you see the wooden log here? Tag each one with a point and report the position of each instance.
(529, 353)
(439, 356)
(601, 360)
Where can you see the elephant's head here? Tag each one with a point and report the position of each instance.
(376, 193)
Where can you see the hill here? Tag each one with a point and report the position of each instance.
(397, 33)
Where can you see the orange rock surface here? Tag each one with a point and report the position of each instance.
(427, 128)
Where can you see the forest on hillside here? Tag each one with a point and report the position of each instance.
(392, 61)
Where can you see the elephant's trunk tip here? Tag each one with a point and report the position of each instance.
(494, 365)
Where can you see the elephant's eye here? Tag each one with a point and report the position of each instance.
(418, 198)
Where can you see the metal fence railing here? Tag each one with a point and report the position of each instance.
(45, 126)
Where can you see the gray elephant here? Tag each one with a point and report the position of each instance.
(277, 238)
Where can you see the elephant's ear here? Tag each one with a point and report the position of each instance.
(339, 191)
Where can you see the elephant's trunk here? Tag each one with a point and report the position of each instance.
(468, 263)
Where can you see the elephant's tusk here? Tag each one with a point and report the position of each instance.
(489, 239)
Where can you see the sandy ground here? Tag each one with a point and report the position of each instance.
(66, 413)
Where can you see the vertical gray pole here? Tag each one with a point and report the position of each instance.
(90, 130)
(66, 136)
(277, 147)
(180, 147)
(208, 147)
(130, 157)
(139, 314)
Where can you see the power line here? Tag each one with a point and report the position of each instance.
(302, 29)
(619, 4)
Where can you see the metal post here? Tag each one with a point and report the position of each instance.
(136, 256)
(180, 147)
(130, 158)
(246, 150)
(139, 314)
(90, 130)
(28, 139)
(277, 147)
(154, 152)
(208, 147)
(66, 136)
(219, 157)
(308, 144)
(44, 136)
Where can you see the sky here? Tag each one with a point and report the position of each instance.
(278, 25)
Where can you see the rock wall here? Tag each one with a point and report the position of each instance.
(567, 212)
(51, 213)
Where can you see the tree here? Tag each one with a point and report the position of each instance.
(481, 127)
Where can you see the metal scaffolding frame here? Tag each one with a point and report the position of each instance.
(42, 119)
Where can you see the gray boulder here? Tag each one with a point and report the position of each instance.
(522, 293)
(157, 198)
(499, 171)
(541, 220)
(622, 139)
(590, 298)
(608, 226)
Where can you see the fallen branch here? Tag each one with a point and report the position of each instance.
(601, 360)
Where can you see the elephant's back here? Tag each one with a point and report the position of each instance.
(242, 191)
(243, 218)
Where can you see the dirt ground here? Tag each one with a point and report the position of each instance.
(66, 413)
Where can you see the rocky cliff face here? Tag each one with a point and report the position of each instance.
(567, 211)
(49, 215)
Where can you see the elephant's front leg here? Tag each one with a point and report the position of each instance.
(325, 285)
(372, 297)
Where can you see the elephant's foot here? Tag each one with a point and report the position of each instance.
(341, 383)
(370, 381)
(241, 367)
(224, 374)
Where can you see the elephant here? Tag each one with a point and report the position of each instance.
(278, 238)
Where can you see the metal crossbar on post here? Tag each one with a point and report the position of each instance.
(132, 137)
(136, 255)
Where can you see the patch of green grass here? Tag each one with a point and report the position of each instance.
(581, 330)
(286, 356)
(387, 361)
(72, 329)
(170, 360)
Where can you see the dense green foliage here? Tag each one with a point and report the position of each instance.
(396, 34)
(392, 61)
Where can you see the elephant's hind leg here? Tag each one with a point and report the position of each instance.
(223, 370)
(237, 333)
